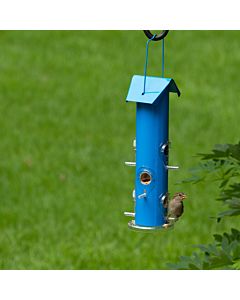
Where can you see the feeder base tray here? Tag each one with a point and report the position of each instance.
(133, 226)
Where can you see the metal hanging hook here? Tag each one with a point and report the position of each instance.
(154, 37)
(146, 64)
(157, 37)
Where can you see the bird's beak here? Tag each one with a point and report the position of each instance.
(184, 196)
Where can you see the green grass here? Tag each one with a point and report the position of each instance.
(66, 131)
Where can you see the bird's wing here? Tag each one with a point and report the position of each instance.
(175, 209)
(179, 210)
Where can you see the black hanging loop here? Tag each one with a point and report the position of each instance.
(157, 37)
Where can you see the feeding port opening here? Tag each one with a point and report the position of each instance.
(145, 178)
(165, 149)
(165, 200)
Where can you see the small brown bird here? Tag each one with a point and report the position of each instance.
(176, 208)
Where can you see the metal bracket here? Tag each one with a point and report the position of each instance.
(143, 195)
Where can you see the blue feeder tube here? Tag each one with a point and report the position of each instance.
(152, 143)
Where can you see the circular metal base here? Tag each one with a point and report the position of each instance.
(133, 226)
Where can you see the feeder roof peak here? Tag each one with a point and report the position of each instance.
(154, 87)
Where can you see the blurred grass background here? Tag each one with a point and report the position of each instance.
(66, 132)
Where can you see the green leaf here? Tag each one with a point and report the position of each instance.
(235, 250)
(230, 213)
(236, 265)
(228, 171)
(235, 233)
(233, 203)
(225, 244)
(193, 267)
(218, 238)
(224, 183)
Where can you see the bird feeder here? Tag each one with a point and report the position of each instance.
(151, 95)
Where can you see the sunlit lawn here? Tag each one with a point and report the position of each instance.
(66, 132)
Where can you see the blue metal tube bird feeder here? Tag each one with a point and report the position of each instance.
(151, 95)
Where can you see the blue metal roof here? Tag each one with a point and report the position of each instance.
(154, 88)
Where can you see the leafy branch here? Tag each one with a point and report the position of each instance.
(223, 165)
